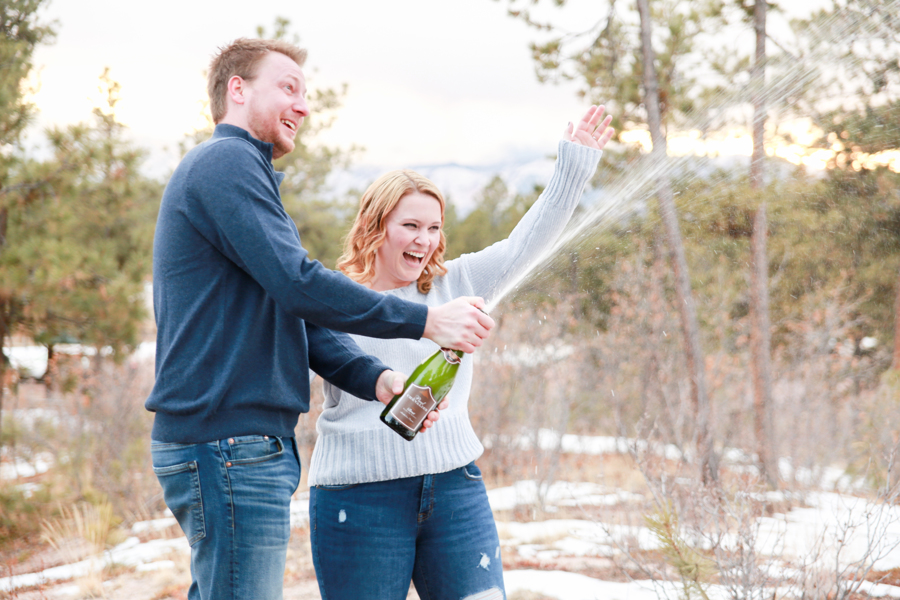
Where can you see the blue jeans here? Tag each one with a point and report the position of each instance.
(369, 540)
(232, 499)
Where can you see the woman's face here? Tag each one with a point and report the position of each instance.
(412, 234)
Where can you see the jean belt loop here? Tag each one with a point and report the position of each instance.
(279, 443)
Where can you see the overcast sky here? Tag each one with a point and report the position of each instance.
(429, 81)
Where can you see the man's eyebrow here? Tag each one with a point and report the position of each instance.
(294, 79)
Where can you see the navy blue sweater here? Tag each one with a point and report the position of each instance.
(242, 313)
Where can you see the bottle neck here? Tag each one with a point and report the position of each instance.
(454, 357)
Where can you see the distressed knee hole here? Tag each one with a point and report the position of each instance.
(491, 594)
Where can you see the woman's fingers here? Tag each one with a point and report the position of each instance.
(592, 130)
(585, 125)
(605, 132)
(596, 116)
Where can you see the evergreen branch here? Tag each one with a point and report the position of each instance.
(691, 565)
(28, 186)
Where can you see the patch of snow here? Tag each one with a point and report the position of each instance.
(835, 526)
(879, 590)
(130, 553)
(31, 361)
(30, 418)
(144, 353)
(559, 493)
(590, 538)
(825, 478)
(28, 489)
(159, 565)
(572, 586)
(154, 525)
(867, 343)
(548, 439)
(19, 467)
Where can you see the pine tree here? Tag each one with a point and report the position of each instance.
(22, 32)
(79, 241)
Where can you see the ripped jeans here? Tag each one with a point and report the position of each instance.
(232, 499)
(370, 539)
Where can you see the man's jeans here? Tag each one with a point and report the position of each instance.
(370, 539)
(232, 499)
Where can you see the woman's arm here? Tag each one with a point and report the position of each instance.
(491, 269)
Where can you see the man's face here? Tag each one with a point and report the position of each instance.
(275, 101)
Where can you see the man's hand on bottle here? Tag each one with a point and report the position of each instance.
(459, 324)
(390, 383)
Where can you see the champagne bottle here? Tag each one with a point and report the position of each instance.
(425, 388)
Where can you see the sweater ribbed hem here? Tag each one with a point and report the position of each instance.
(337, 459)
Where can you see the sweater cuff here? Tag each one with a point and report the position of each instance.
(420, 318)
(578, 158)
(409, 319)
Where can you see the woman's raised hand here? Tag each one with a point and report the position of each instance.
(590, 131)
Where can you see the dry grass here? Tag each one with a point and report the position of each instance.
(85, 531)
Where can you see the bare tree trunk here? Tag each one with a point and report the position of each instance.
(760, 337)
(687, 309)
(2, 364)
(896, 362)
(4, 217)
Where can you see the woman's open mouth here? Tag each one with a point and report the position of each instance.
(415, 257)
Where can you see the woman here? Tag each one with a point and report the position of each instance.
(384, 510)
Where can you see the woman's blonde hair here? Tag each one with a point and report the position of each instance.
(368, 231)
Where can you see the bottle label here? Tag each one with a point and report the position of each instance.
(413, 406)
(450, 356)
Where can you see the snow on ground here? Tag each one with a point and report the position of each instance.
(19, 467)
(154, 524)
(572, 537)
(548, 439)
(572, 586)
(852, 528)
(31, 361)
(130, 553)
(558, 493)
(835, 527)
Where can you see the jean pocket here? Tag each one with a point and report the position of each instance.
(472, 472)
(249, 449)
(181, 490)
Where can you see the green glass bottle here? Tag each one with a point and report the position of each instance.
(425, 388)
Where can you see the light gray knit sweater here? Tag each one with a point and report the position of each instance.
(353, 445)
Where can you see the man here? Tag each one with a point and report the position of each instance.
(242, 314)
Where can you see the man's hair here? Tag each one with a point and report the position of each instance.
(241, 58)
(369, 229)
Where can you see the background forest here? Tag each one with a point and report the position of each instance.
(741, 312)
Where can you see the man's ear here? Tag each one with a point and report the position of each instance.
(236, 87)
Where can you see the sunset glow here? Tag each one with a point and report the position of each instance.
(738, 142)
